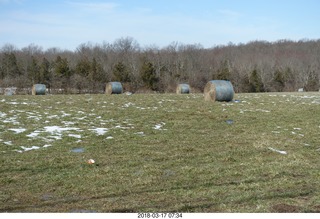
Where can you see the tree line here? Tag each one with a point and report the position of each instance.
(257, 66)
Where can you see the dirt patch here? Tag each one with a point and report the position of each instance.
(285, 208)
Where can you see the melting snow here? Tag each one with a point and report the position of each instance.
(57, 129)
(8, 142)
(140, 133)
(74, 135)
(100, 131)
(128, 105)
(159, 126)
(275, 150)
(33, 134)
(19, 130)
(29, 149)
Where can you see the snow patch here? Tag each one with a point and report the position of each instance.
(74, 135)
(100, 131)
(58, 129)
(278, 151)
(19, 130)
(159, 126)
(29, 149)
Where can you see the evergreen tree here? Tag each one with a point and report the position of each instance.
(61, 67)
(83, 67)
(10, 66)
(255, 82)
(224, 72)
(45, 75)
(33, 70)
(290, 79)
(96, 71)
(279, 80)
(121, 72)
(62, 73)
(148, 75)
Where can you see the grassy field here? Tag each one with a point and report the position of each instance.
(160, 153)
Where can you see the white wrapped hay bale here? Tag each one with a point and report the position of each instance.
(114, 88)
(218, 90)
(183, 89)
(39, 89)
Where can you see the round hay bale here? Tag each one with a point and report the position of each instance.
(218, 90)
(183, 89)
(38, 89)
(114, 88)
(9, 91)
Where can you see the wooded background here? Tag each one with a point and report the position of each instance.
(257, 66)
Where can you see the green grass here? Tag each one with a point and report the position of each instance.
(194, 162)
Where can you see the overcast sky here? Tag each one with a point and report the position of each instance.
(68, 23)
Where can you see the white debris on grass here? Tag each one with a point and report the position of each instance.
(33, 134)
(16, 103)
(52, 116)
(36, 118)
(278, 151)
(109, 137)
(316, 101)
(24, 149)
(159, 126)
(74, 135)
(29, 149)
(140, 133)
(128, 105)
(124, 127)
(58, 129)
(18, 130)
(67, 123)
(8, 143)
(64, 114)
(262, 110)
(100, 131)
(11, 120)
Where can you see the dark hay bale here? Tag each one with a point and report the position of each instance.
(114, 88)
(39, 89)
(218, 90)
(183, 89)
